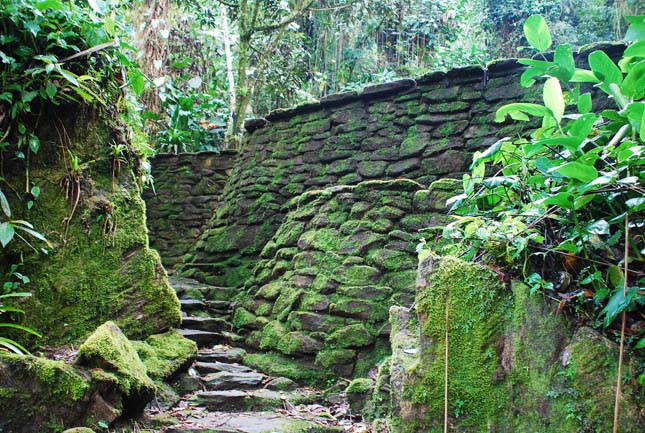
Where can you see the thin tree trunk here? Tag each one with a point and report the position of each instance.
(229, 70)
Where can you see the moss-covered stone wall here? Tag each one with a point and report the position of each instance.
(185, 196)
(421, 130)
(320, 293)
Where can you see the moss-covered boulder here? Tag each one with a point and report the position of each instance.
(114, 360)
(165, 355)
(38, 394)
(512, 365)
(99, 266)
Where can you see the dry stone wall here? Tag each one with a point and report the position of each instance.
(186, 191)
(322, 289)
(421, 130)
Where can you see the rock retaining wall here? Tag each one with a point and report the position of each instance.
(185, 195)
(421, 130)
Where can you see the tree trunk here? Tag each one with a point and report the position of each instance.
(229, 71)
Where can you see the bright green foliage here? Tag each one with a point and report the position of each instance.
(54, 52)
(563, 197)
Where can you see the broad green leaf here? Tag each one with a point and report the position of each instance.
(6, 234)
(489, 153)
(633, 86)
(577, 170)
(553, 98)
(584, 103)
(519, 111)
(618, 303)
(582, 201)
(564, 200)
(582, 126)
(34, 233)
(635, 204)
(615, 275)
(604, 68)
(566, 66)
(537, 33)
(51, 90)
(635, 112)
(4, 204)
(35, 191)
(636, 31)
(34, 143)
(640, 344)
(69, 76)
(137, 81)
(584, 76)
(56, 5)
(635, 50)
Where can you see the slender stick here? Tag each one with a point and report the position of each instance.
(445, 384)
(622, 330)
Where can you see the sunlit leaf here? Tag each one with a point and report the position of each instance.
(4, 204)
(553, 98)
(537, 33)
(636, 30)
(618, 303)
(584, 103)
(577, 170)
(6, 233)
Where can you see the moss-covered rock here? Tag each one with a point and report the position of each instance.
(165, 355)
(110, 352)
(99, 265)
(355, 335)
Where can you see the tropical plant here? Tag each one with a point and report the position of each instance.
(569, 199)
(9, 230)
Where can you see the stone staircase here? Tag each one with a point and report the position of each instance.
(222, 395)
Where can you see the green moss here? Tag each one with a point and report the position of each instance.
(360, 308)
(391, 259)
(379, 226)
(91, 276)
(271, 334)
(413, 144)
(361, 385)
(109, 349)
(164, 354)
(275, 364)
(323, 239)
(332, 357)
(294, 343)
(356, 275)
(355, 335)
(285, 302)
(476, 308)
(243, 318)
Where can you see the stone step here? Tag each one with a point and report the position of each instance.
(202, 338)
(214, 367)
(210, 324)
(252, 422)
(187, 288)
(225, 380)
(221, 354)
(250, 400)
(190, 305)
